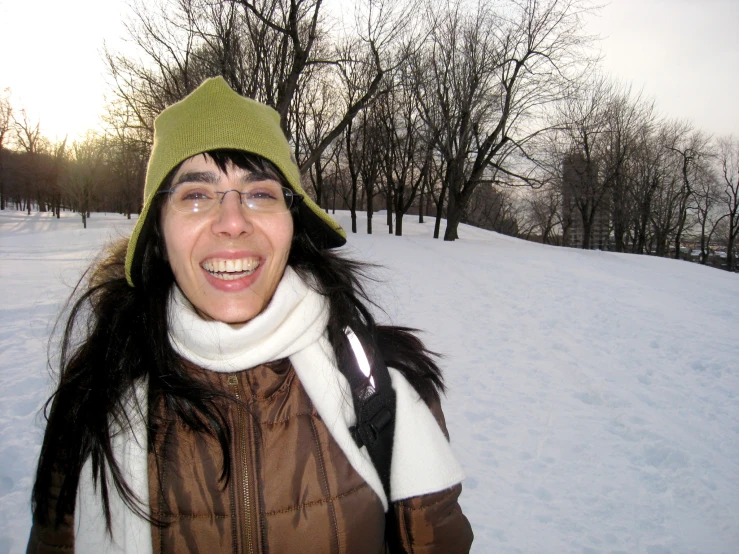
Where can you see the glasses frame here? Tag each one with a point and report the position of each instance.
(288, 193)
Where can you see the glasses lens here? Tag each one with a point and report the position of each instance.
(192, 197)
(268, 197)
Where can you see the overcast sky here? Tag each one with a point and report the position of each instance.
(684, 54)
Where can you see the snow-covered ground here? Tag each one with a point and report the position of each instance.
(593, 397)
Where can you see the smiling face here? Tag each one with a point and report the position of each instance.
(229, 260)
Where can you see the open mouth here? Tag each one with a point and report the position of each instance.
(230, 270)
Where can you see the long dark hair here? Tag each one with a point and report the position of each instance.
(116, 335)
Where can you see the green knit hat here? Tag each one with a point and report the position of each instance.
(215, 117)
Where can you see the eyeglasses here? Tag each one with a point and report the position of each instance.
(267, 197)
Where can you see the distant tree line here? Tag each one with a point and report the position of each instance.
(96, 173)
(638, 183)
(476, 112)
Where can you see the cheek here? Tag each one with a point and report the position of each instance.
(283, 238)
(170, 244)
(178, 243)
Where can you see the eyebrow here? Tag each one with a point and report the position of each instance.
(197, 177)
(213, 178)
(254, 176)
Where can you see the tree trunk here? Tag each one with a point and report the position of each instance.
(399, 211)
(587, 232)
(619, 231)
(453, 218)
(2, 182)
(439, 211)
(2, 179)
(660, 247)
(730, 258)
(641, 240)
(704, 246)
(389, 209)
(677, 242)
(429, 198)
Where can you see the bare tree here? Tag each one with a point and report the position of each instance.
(58, 168)
(706, 198)
(312, 122)
(359, 134)
(646, 176)
(407, 149)
(691, 148)
(543, 213)
(28, 137)
(670, 200)
(28, 133)
(385, 38)
(6, 121)
(729, 175)
(494, 209)
(89, 156)
(595, 133)
(628, 115)
(269, 50)
(486, 74)
(370, 160)
(352, 163)
(583, 122)
(166, 36)
(127, 165)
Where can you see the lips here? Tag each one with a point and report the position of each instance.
(228, 269)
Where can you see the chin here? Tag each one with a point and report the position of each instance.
(238, 319)
(235, 315)
(232, 307)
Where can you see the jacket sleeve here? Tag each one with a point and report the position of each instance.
(431, 523)
(51, 538)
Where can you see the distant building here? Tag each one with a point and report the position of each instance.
(580, 188)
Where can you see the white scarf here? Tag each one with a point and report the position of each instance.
(292, 325)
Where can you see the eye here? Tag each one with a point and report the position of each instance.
(192, 193)
(262, 195)
(265, 192)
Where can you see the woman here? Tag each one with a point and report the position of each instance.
(204, 408)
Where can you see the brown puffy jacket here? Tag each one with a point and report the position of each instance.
(291, 487)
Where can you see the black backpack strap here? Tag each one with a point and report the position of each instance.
(374, 404)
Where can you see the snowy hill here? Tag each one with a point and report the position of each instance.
(593, 397)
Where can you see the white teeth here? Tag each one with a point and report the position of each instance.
(230, 270)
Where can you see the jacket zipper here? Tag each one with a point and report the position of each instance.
(233, 381)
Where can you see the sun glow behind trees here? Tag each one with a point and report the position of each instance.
(52, 61)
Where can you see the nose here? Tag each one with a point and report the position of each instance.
(231, 219)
